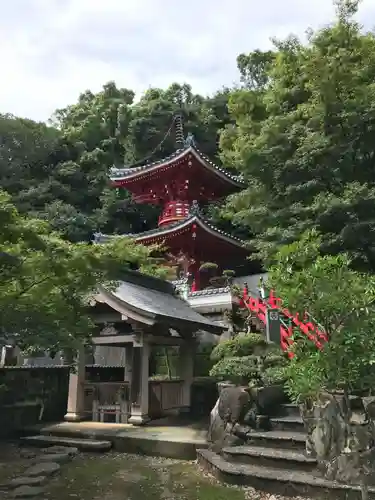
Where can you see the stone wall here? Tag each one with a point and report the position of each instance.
(341, 436)
(29, 395)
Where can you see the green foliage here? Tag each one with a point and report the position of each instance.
(248, 359)
(229, 273)
(45, 280)
(335, 295)
(303, 140)
(239, 370)
(341, 301)
(241, 345)
(254, 68)
(275, 375)
(208, 266)
(202, 359)
(60, 173)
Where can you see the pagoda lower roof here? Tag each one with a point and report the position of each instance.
(211, 242)
(117, 175)
(161, 233)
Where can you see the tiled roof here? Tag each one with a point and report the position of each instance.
(155, 298)
(209, 291)
(122, 173)
(102, 238)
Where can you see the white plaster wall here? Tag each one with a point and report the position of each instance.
(252, 282)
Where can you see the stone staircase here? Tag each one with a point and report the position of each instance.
(82, 444)
(275, 461)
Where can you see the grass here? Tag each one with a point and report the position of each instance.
(130, 477)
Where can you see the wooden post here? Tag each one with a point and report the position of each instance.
(76, 395)
(186, 372)
(139, 384)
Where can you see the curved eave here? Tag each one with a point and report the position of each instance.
(132, 174)
(169, 230)
(176, 313)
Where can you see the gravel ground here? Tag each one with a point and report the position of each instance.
(119, 476)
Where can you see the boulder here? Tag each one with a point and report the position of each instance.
(229, 411)
(234, 404)
(268, 399)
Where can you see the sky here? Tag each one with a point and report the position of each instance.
(52, 50)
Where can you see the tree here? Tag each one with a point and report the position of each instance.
(304, 144)
(24, 148)
(254, 68)
(60, 173)
(45, 281)
(340, 301)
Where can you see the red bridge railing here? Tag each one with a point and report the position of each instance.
(288, 321)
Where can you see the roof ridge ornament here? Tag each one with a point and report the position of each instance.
(195, 208)
(179, 131)
(190, 140)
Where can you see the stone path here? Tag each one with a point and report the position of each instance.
(43, 466)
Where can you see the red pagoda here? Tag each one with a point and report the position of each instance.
(180, 184)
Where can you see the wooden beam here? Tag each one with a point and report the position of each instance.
(108, 340)
(112, 340)
(156, 340)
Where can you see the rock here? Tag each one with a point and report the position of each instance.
(27, 481)
(43, 469)
(369, 407)
(268, 399)
(234, 403)
(60, 449)
(230, 408)
(28, 491)
(60, 458)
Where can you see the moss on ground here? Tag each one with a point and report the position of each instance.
(130, 477)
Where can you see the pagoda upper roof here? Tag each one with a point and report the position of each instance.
(160, 233)
(133, 172)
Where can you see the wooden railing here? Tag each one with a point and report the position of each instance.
(165, 395)
(288, 321)
(107, 398)
(112, 398)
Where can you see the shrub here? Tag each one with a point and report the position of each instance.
(241, 345)
(239, 370)
(248, 359)
(274, 375)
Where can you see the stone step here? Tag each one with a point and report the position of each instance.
(278, 439)
(288, 423)
(290, 410)
(276, 481)
(269, 457)
(80, 443)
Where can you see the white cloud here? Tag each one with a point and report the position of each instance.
(51, 50)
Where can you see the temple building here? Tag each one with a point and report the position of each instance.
(144, 313)
(206, 258)
(141, 314)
